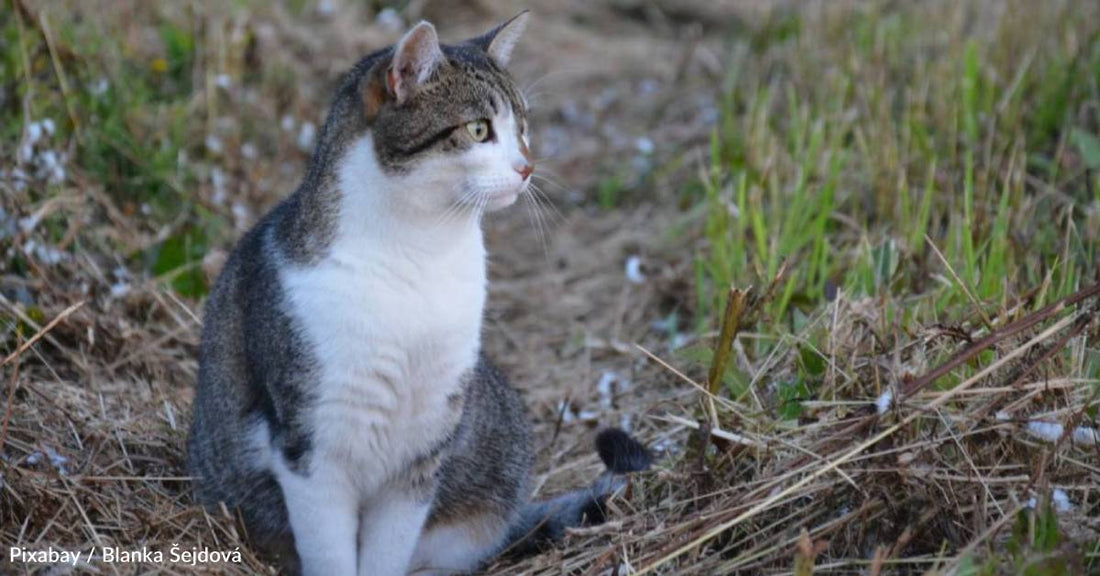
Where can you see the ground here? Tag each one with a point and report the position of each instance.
(909, 193)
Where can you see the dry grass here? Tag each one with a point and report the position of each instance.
(937, 425)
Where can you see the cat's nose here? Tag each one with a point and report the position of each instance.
(524, 170)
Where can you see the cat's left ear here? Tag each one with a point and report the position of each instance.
(415, 57)
(499, 42)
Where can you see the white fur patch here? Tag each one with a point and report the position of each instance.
(457, 548)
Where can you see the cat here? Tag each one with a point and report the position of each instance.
(344, 407)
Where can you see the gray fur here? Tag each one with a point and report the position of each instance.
(490, 457)
(257, 372)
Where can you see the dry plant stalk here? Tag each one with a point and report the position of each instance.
(731, 326)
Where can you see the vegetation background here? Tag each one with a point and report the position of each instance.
(910, 189)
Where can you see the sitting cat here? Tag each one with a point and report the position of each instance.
(344, 407)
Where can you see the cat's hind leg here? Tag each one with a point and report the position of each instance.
(458, 546)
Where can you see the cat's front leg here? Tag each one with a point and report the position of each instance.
(324, 517)
(389, 528)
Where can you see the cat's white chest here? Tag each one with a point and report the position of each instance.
(393, 336)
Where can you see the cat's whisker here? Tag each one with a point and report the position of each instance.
(550, 175)
(547, 219)
(543, 224)
(546, 197)
(526, 91)
(533, 100)
(546, 205)
(551, 178)
(482, 202)
(551, 75)
(446, 214)
(533, 193)
(454, 209)
(536, 190)
(535, 215)
(465, 206)
(532, 215)
(559, 188)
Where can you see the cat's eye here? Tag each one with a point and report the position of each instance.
(478, 129)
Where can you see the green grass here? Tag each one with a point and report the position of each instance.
(940, 177)
(134, 112)
(849, 146)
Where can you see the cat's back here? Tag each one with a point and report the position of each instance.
(245, 280)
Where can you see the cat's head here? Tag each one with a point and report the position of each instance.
(447, 123)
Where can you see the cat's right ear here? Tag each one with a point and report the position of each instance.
(499, 42)
(415, 57)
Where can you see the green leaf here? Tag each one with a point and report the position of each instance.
(813, 365)
(791, 395)
(1089, 147)
(184, 250)
(886, 263)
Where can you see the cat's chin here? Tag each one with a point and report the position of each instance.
(501, 201)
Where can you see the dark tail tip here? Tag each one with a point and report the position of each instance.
(621, 453)
(545, 521)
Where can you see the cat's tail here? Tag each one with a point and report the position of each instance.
(543, 522)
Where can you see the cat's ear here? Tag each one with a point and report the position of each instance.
(499, 42)
(415, 57)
